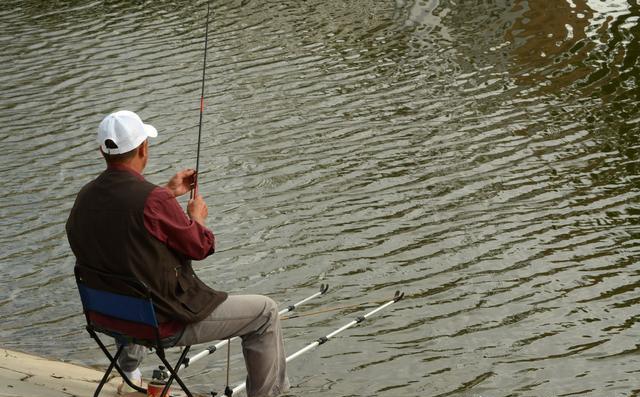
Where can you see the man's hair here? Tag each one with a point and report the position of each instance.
(117, 158)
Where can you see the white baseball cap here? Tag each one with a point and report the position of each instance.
(126, 130)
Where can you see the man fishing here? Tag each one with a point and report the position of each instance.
(122, 224)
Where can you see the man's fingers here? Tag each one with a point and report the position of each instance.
(185, 174)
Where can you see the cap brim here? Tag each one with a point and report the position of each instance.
(150, 130)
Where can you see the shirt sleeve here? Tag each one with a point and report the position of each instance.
(165, 220)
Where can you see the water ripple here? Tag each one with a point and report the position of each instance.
(481, 157)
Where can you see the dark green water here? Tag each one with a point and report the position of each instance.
(482, 156)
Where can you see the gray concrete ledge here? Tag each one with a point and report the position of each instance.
(25, 375)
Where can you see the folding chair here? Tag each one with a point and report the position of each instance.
(128, 319)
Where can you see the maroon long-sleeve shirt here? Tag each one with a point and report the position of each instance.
(165, 220)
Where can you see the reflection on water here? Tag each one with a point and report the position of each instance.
(480, 155)
(548, 36)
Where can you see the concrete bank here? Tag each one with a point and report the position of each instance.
(25, 375)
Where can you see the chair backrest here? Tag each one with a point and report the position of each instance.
(118, 306)
(118, 315)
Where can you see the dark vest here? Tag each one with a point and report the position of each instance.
(106, 233)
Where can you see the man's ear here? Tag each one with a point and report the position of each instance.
(143, 149)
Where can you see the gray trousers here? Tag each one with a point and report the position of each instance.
(255, 319)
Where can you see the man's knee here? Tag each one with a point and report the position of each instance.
(271, 307)
(269, 315)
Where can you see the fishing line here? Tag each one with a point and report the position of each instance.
(194, 191)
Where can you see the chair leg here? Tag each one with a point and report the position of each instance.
(174, 373)
(112, 360)
(113, 364)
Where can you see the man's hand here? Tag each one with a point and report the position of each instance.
(182, 182)
(197, 209)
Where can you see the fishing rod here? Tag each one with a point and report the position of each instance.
(194, 191)
(327, 310)
(322, 340)
(210, 350)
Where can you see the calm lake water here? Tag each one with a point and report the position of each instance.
(482, 156)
